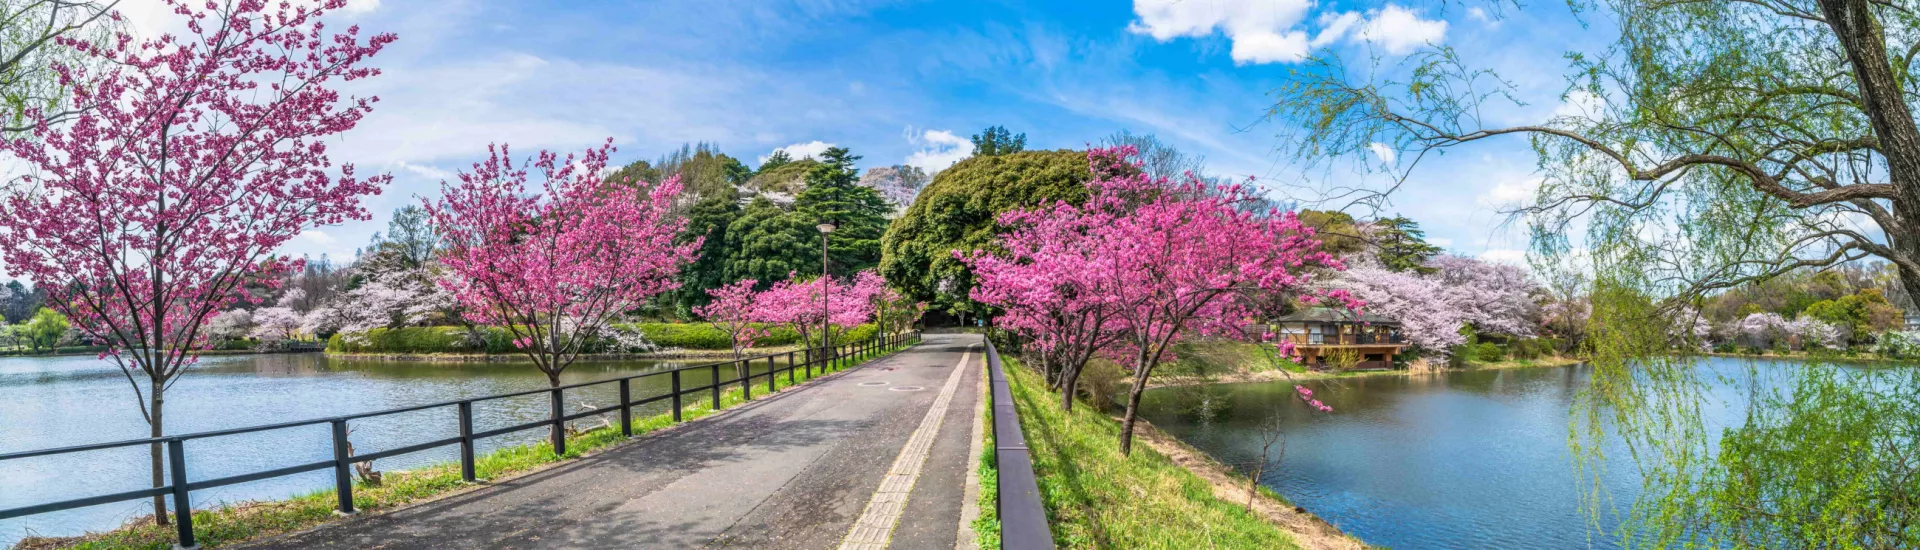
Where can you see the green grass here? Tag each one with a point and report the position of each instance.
(1214, 358)
(986, 528)
(238, 523)
(1097, 498)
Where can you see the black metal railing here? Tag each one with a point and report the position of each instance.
(1023, 520)
(180, 484)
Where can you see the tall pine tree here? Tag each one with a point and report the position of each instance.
(859, 214)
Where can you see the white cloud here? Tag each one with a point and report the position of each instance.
(1262, 31)
(1505, 256)
(1580, 104)
(1511, 192)
(1399, 31)
(938, 149)
(1441, 242)
(152, 18)
(1383, 151)
(427, 172)
(318, 237)
(1265, 31)
(811, 149)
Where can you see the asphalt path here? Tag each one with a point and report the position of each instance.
(793, 470)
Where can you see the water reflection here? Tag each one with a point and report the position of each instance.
(1476, 459)
(61, 401)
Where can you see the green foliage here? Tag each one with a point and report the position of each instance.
(1862, 313)
(1827, 464)
(709, 220)
(420, 340)
(1403, 245)
(996, 140)
(1097, 498)
(1487, 352)
(44, 330)
(858, 213)
(704, 171)
(778, 158)
(957, 212)
(767, 242)
(787, 178)
(1339, 234)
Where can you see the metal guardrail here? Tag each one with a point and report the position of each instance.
(1023, 519)
(180, 484)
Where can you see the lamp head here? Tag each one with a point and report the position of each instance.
(825, 228)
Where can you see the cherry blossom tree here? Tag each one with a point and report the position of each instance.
(797, 304)
(191, 159)
(731, 311)
(1432, 308)
(229, 325)
(556, 268)
(1175, 259)
(272, 324)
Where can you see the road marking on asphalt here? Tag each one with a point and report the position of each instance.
(876, 524)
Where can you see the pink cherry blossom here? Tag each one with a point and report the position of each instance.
(559, 266)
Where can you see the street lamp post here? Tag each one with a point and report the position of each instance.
(826, 312)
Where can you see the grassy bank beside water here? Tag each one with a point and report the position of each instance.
(1097, 498)
(252, 520)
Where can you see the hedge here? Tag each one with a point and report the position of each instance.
(497, 340)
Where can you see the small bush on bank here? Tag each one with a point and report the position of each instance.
(1489, 353)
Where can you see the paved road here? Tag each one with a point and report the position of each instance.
(790, 471)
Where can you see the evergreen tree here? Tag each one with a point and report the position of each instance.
(858, 213)
(709, 219)
(1403, 245)
(766, 242)
(996, 140)
(775, 160)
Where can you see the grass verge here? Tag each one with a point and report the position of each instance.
(986, 528)
(251, 520)
(1096, 498)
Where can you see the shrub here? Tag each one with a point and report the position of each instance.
(1489, 352)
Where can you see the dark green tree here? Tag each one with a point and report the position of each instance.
(777, 159)
(858, 213)
(709, 219)
(1403, 245)
(957, 212)
(996, 141)
(767, 242)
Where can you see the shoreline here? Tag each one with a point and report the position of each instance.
(1308, 530)
(1277, 375)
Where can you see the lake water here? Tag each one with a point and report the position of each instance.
(62, 401)
(1473, 459)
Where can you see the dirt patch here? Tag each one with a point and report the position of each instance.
(1309, 531)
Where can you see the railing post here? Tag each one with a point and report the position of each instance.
(746, 379)
(626, 408)
(716, 387)
(790, 368)
(466, 441)
(182, 506)
(676, 395)
(770, 372)
(808, 355)
(342, 479)
(559, 429)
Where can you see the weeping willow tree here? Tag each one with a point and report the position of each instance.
(29, 30)
(1714, 144)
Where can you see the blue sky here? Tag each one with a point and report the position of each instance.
(907, 81)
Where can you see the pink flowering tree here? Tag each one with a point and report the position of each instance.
(1046, 294)
(191, 159)
(559, 266)
(1175, 259)
(798, 305)
(731, 311)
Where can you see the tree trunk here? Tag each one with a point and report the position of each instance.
(1140, 372)
(156, 429)
(1069, 381)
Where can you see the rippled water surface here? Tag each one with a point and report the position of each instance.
(63, 401)
(1475, 459)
